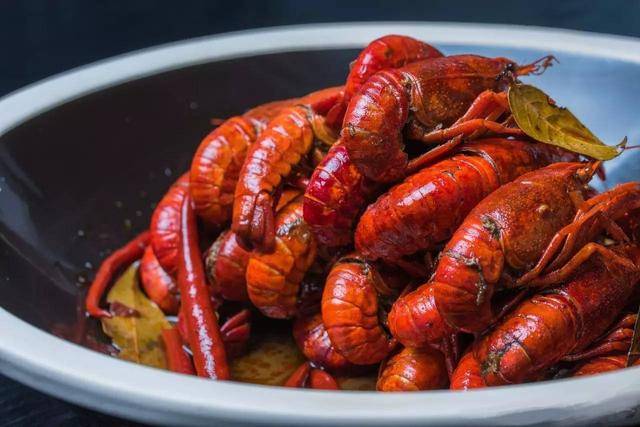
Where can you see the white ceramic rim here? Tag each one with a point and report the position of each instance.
(76, 374)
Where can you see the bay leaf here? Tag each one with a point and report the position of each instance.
(137, 323)
(271, 359)
(538, 116)
(358, 383)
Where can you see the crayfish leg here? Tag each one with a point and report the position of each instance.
(469, 128)
(321, 380)
(600, 365)
(485, 105)
(433, 155)
(299, 377)
(481, 117)
(451, 350)
(608, 256)
(593, 216)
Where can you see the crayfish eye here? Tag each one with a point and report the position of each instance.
(508, 73)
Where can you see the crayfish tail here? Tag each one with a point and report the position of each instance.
(468, 374)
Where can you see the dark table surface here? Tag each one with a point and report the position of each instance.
(42, 38)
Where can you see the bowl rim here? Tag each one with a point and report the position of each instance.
(88, 378)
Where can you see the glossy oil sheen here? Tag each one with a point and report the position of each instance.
(82, 178)
(606, 91)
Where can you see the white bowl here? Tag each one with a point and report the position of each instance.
(90, 379)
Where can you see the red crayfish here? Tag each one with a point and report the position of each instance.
(216, 164)
(273, 279)
(422, 96)
(478, 256)
(337, 190)
(413, 369)
(283, 144)
(552, 325)
(355, 299)
(426, 208)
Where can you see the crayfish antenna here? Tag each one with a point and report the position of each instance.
(634, 349)
(537, 67)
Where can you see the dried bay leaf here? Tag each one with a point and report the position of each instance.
(137, 322)
(358, 383)
(538, 116)
(272, 358)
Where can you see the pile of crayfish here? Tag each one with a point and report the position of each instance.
(405, 223)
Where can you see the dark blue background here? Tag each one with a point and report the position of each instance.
(39, 38)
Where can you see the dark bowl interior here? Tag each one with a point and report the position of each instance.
(79, 180)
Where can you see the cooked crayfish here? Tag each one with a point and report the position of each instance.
(422, 96)
(313, 340)
(524, 270)
(468, 374)
(273, 279)
(552, 325)
(337, 191)
(527, 213)
(426, 208)
(165, 225)
(336, 194)
(226, 266)
(518, 225)
(226, 261)
(609, 353)
(283, 144)
(356, 297)
(602, 364)
(159, 286)
(390, 51)
(415, 321)
(413, 369)
(307, 376)
(216, 164)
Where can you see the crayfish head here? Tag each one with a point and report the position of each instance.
(586, 172)
(511, 71)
